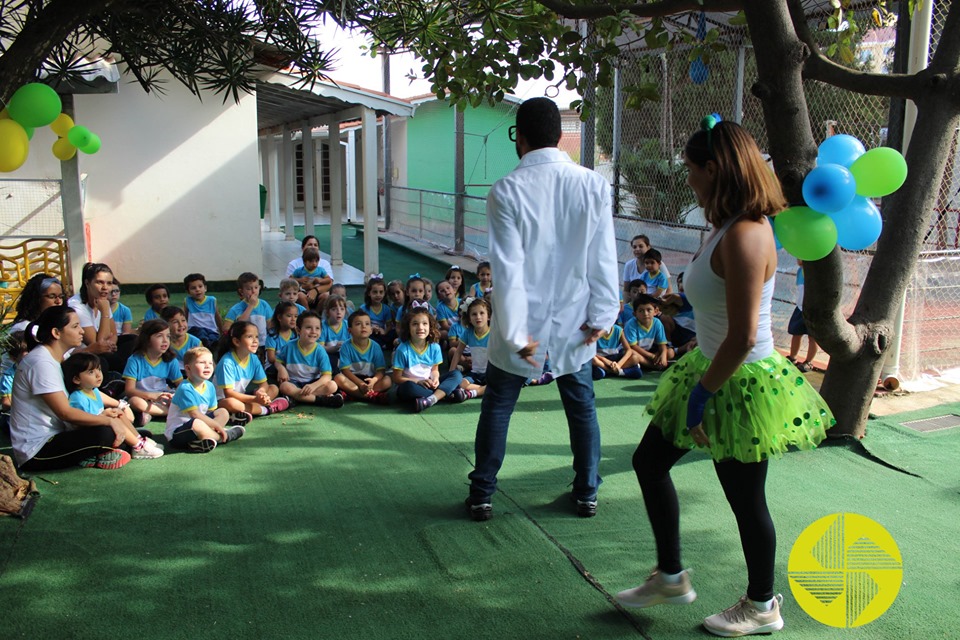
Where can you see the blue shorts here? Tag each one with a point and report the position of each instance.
(796, 326)
(476, 378)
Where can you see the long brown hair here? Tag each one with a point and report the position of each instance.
(744, 183)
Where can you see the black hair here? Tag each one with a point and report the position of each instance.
(308, 314)
(311, 254)
(90, 271)
(152, 289)
(306, 239)
(637, 283)
(15, 344)
(278, 311)
(462, 289)
(76, 364)
(408, 315)
(653, 254)
(170, 312)
(538, 121)
(641, 236)
(475, 302)
(359, 313)
(41, 330)
(193, 277)
(236, 331)
(245, 278)
(149, 329)
(28, 304)
(366, 292)
(646, 298)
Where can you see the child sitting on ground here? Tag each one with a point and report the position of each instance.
(455, 277)
(416, 362)
(314, 281)
(203, 315)
(645, 335)
(341, 290)
(303, 368)
(15, 348)
(635, 288)
(476, 336)
(486, 280)
(290, 292)
(82, 376)
(158, 297)
(240, 379)
(448, 308)
(381, 315)
(362, 373)
(613, 353)
(151, 371)
(180, 340)
(122, 316)
(334, 331)
(250, 308)
(395, 297)
(283, 329)
(676, 314)
(194, 421)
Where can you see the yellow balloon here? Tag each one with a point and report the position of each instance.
(63, 150)
(62, 125)
(14, 145)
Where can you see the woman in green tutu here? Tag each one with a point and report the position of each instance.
(734, 396)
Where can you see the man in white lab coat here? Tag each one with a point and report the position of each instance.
(554, 263)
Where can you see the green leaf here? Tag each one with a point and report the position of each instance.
(739, 20)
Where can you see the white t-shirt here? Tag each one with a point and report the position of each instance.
(296, 263)
(88, 317)
(32, 421)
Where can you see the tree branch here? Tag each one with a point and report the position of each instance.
(819, 67)
(659, 9)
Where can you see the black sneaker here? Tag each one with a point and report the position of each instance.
(203, 446)
(459, 395)
(235, 432)
(240, 419)
(479, 512)
(333, 401)
(586, 508)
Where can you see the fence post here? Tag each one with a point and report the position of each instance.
(617, 133)
(458, 180)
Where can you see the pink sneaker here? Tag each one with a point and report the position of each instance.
(282, 403)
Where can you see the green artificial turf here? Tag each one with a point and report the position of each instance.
(349, 524)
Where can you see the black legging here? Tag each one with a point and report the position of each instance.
(743, 485)
(70, 448)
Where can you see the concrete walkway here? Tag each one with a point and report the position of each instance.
(277, 252)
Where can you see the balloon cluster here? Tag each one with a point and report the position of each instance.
(38, 105)
(837, 193)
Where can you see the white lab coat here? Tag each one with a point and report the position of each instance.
(554, 262)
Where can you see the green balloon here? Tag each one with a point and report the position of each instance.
(79, 136)
(34, 105)
(93, 145)
(805, 233)
(879, 172)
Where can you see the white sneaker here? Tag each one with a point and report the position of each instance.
(655, 590)
(744, 619)
(148, 450)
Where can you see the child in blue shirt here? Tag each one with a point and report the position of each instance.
(240, 379)
(250, 308)
(314, 280)
(203, 315)
(652, 276)
(290, 292)
(381, 314)
(644, 333)
(303, 368)
(476, 337)
(341, 290)
(180, 340)
(283, 329)
(82, 376)
(194, 421)
(334, 331)
(15, 346)
(416, 362)
(479, 289)
(122, 316)
(158, 297)
(363, 368)
(613, 353)
(152, 372)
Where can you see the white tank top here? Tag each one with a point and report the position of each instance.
(706, 292)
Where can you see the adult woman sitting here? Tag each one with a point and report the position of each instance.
(42, 291)
(41, 409)
(92, 305)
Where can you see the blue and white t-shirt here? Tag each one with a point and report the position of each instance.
(654, 282)
(363, 363)
(121, 313)
(189, 398)
(260, 316)
(446, 313)
(236, 374)
(380, 319)
(202, 315)
(417, 365)
(645, 337)
(301, 272)
(304, 366)
(276, 342)
(330, 335)
(609, 343)
(478, 349)
(89, 402)
(189, 342)
(153, 376)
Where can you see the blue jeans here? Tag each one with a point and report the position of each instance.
(499, 399)
(448, 384)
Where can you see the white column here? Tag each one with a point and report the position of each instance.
(288, 182)
(273, 186)
(336, 192)
(351, 172)
(308, 154)
(71, 200)
(371, 254)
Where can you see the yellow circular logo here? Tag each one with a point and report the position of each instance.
(845, 570)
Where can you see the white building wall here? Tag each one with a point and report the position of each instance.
(173, 190)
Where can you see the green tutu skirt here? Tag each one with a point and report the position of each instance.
(764, 408)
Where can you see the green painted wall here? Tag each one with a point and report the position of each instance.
(488, 153)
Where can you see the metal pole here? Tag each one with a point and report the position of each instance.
(588, 127)
(617, 133)
(917, 60)
(458, 180)
(288, 182)
(387, 146)
(71, 199)
(738, 84)
(308, 154)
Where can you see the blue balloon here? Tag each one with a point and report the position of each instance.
(840, 149)
(858, 225)
(699, 71)
(829, 188)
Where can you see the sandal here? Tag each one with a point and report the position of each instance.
(804, 367)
